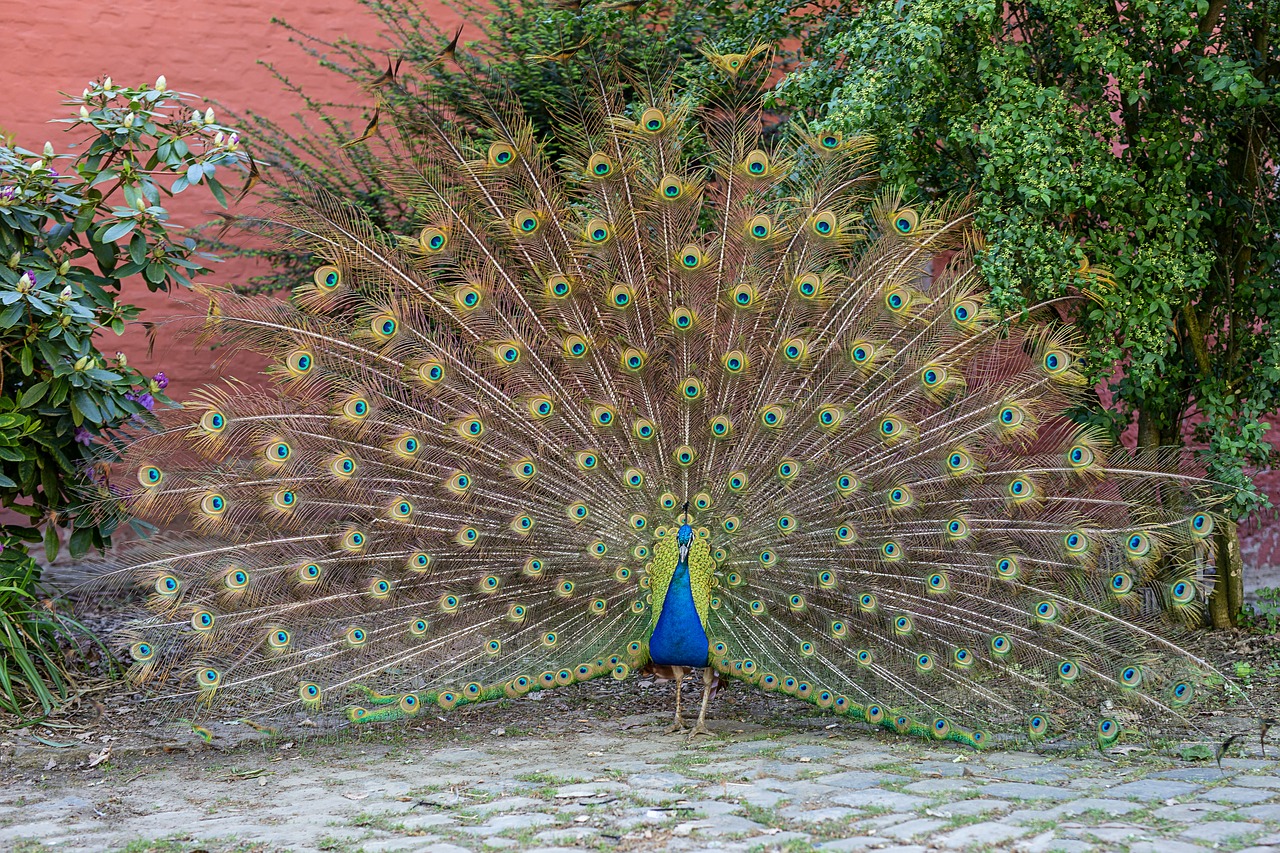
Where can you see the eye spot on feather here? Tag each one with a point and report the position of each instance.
(327, 278)
(501, 154)
(653, 120)
(300, 362)
(756, 163)
(383, 327)
(213, 421)
(558, 287)
(600, 166)
(906, 221)
(431, 373)
(621, 296)
(432, 240)
(213, 505)
(691, 257)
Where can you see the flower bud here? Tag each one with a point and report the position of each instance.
(106, 83)
(122, 359)
(218, 137)
(65, 295)
(208, 116)
(84, 112)
(48, 149)
(128, 120)
(14, 260)
(82, 362)
(141, 203)
(196, 117)
(64, 267)
(161, 83)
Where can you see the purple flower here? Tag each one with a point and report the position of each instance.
(8, 193)
(162, 381)
(83, 436)
(148, 402)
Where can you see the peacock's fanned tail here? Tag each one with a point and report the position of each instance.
(478, 431)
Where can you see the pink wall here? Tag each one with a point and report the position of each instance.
(209, 48)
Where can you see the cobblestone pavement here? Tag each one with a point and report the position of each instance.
(591, 779)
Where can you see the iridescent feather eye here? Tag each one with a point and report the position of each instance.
(1056, 362)
(526, 222)
(598, 232)
(809, 286)
(824, 224)
(621, 296)
(1080, 456)
(432, 240)
(905, 221)
(682, 319)
(633, 360)
(690, 257)
(965, 312)
(671, 188)
(744, 295)
(213, 421)
(300, 362)
(327, 278)
(501, 154)
(467, 296)
(1200, 525)
(557, 287)
(760, 227)
(600, 166)
(756, 163)
(653, 120)
(383, 327)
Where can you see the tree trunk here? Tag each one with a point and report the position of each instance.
(1228, 590)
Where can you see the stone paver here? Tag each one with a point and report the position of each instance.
(602, 787)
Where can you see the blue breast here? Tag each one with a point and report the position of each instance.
(679, 639)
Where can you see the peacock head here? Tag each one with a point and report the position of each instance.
(684, 536)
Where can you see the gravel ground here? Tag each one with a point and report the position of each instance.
(590, 767)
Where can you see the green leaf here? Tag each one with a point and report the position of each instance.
(51, 542)
(86, 406)
(33, 395)
(118, 230)
(81, 541)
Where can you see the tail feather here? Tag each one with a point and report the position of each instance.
(479, 431)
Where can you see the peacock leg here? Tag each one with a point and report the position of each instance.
(701, 727)
(678, 725)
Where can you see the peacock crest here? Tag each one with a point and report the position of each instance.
(591, 389)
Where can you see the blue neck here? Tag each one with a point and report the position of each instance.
(679, 638)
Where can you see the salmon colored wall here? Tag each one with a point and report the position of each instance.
(209, 48)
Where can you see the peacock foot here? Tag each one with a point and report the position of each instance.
(699, 729)
(677, 726)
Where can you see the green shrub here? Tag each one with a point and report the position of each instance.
(73, 229)
(494, 58)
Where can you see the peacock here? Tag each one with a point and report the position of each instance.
(677, 390)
